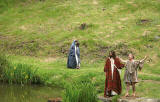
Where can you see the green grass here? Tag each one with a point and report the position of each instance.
(19, 73)
(80, 92)
(4, 63)
(38, 34)
(148, 89)
(47, 28)
(53, 72)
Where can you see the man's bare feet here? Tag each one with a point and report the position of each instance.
(106, 96)
(134, 95)
(126, 95)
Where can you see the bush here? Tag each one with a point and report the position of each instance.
(80, 92)
(3, 63)
(21, 74)
(115, 98)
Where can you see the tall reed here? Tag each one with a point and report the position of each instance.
(20, 73)
(80, 92)
(4, 63)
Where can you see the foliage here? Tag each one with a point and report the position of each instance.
(115, 98)
(17, 72)
(46, 28)
(4, 64)
(51, 31)
(80, 92)
(20, 73)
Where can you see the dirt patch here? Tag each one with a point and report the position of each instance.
(121, 50)
(124, 19)
(149, 74)
(151, 81)
(15, 45)
(55, 100)
(129, 98)
(145, 33)
(138, 99)
(95, 2)
(23, 27)
(32, 45)
(143, 21)
(130, 2)
(158, 25)
(83, 26)
(49, 59)
(103, 9)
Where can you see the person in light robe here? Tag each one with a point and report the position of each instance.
(131, 76)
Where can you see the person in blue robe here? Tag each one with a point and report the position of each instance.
(74, 56)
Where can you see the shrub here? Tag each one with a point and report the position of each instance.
(20, 74)
(80, 92)
(115, 98)
(3, 63)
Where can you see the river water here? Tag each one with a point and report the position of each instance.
(27, 93)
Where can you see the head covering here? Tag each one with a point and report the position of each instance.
(72, 48)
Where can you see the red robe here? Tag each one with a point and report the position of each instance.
(115, 84)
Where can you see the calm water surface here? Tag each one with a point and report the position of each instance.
(27, 93)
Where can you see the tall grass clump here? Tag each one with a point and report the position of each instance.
(115, 98)
(80, 92)
(4, 64)
(20, 74)
(6, 4)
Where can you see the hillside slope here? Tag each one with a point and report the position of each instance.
(39, 33)
(48, 27)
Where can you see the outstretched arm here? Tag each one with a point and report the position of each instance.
(140, 63)
(123, 61)
(119, 65)
(143, 59)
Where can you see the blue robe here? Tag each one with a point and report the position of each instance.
(72, 62)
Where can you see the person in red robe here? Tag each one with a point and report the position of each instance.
(112, 81)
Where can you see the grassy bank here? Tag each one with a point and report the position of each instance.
(36, 36)
(53, 72)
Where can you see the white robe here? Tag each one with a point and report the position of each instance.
(78, 64)
(112, 69)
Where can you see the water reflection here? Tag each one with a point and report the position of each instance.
(31, 93)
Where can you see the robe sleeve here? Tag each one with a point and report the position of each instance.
(123, 61)
(119, 65)
(139, 64)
